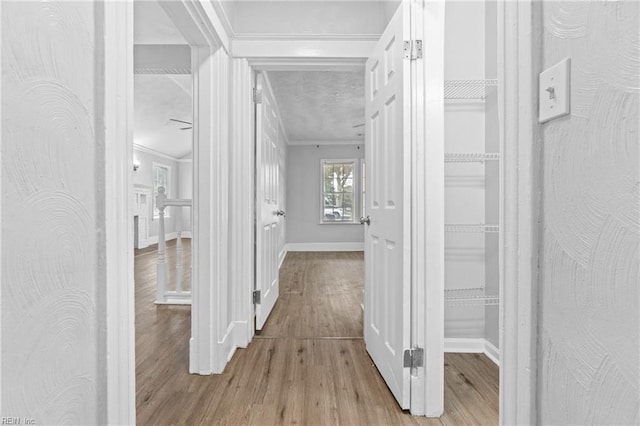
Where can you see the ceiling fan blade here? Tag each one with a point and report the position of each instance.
(358, 125)
(180, 121)
(185, 128)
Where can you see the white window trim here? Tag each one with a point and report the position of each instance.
(154, 212)
(357, 194)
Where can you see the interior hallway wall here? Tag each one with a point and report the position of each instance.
(53, 200)
(588, 309)
(303, 196)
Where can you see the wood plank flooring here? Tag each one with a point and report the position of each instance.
(308, 366)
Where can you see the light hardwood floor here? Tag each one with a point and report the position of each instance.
(308, 366)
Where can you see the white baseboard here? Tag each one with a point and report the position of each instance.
(324, 247)
(168, 237)
(492, 352)
(281, 256)
(472, 346)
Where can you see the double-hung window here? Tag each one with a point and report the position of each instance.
(339, 192)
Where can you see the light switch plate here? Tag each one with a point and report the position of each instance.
(555, 91)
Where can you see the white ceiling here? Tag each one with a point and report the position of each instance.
(157, 98)
(316, 106)
(320, 105)
(151, 25)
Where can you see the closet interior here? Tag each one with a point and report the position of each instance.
(472, 179)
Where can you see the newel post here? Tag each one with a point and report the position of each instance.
(161, 270)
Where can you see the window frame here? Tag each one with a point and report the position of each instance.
(155, 212)
(356, 190)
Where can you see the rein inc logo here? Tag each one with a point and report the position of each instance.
(17, 421)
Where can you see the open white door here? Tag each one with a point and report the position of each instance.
(268, 215)
(387, 239)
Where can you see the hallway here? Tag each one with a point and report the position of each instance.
(308, 366)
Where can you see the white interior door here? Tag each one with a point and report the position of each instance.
(267, 204)
(387, 240)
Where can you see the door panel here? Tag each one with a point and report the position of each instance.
(268, 229)
(387, 240)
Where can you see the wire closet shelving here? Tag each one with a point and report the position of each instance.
(468, 89)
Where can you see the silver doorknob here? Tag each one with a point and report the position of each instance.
(281, 213)
(366, 220)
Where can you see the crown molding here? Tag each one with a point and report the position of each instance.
(144, 149)
(326, 142)
(296, 37)
(160, 70)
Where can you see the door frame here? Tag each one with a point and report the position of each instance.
(519, 45)
(521, 166)
(205, 36)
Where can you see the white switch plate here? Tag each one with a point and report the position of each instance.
(555, 91)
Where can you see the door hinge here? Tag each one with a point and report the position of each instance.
(257, 96)
(413, 49)
(256, 297)
(413, 358)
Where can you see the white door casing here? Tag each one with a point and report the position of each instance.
(267, 202)
(387, 238)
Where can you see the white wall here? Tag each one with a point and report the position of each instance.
(303, 196)
(588, 309)
(308, 17)
(53, 273)
(144, 176)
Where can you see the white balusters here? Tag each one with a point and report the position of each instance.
(163, 294)
(161, 274)
(179, 251)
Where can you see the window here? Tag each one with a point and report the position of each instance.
(161, 177)
(338, 191)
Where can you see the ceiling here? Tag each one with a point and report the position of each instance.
(151, 25)
(320, 105)
(157, 98)
(316, 106)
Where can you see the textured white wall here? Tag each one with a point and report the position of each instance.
(303, 196)
(588, 320)
(52, 218)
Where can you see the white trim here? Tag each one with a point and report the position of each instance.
(309, 37)
(241, 182)
(118, 119)
(225, 21)
(472, 346)
(355, 246)
(1, 121)
(168, 237)
(281, 256)
(330, 49)
(144, 149)
(464, 345)
(427, 212)
(518, 26)
(326, 142)
(492, 352)
(307, 64)
(175, 298)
